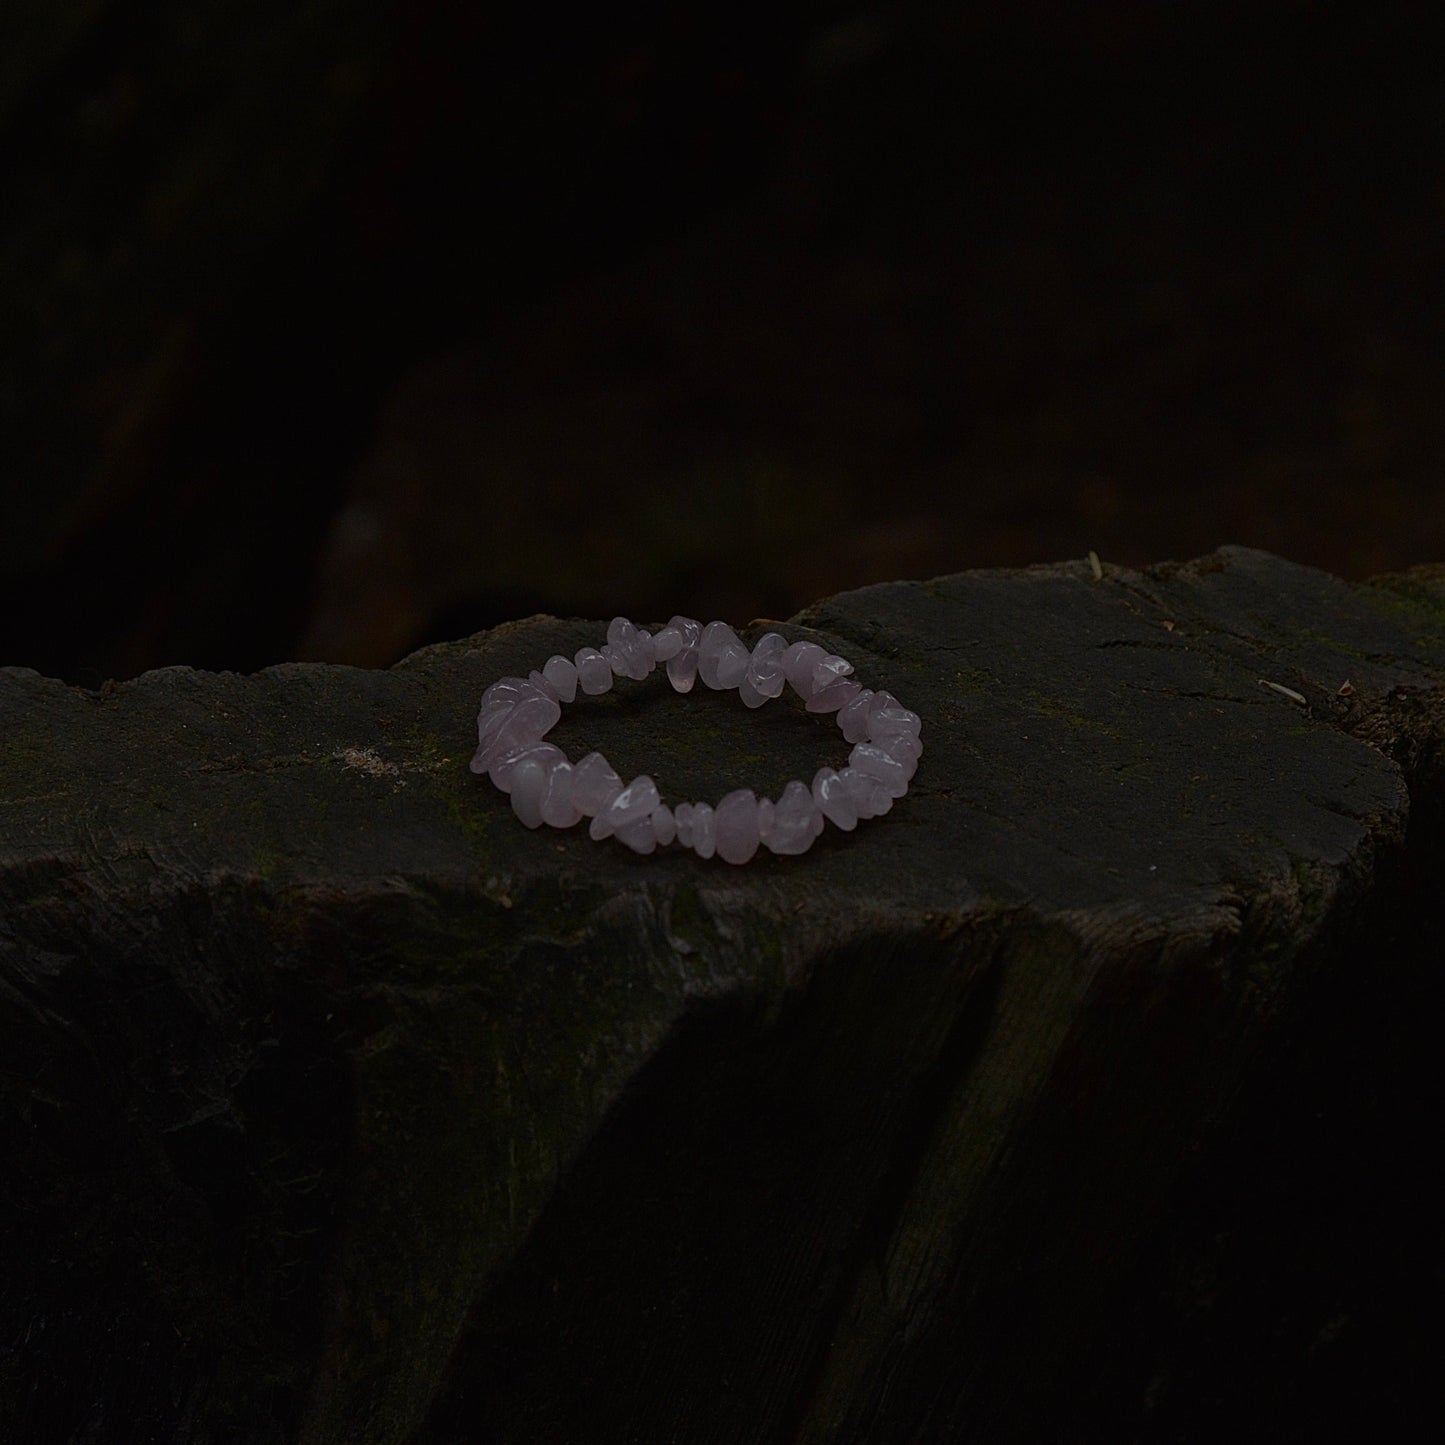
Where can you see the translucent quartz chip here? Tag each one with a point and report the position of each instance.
(736, 824)
(636, 800)
(901, 745)
(869, 795)
(765, 819)
(833, 697)
(682, 664)
(506, 689)
(682, 816)
(594, 784)
(905, 750)
(629, 652)
(853, 716)
(524, 704)
(558, 808)
(542, 685)
(764, 676)
(527, 722)
(664, 825)
(529, 785)
(639, 834)
(490, 721)
(829, 670)
(563, 677)
(668, 643)
(722, 660)
(871, 759)
(594, 672)
(799, 660)
(795, 819)
(501, 771)
(834, 800)
(887, 715)
(704, 838)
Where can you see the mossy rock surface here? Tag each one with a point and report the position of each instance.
(336, 1105)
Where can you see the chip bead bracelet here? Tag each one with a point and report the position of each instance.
(517, 713)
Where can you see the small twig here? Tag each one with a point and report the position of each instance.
(1284, 691)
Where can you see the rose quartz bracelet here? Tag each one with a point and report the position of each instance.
(517, 714)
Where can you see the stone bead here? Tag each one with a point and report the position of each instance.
(542, 685)
(636, 800)
(528, 786)
(594, 784)
(833, 697)
(559, 810)
(871, 759)
(594, 672)
(765, 819)
(501, 770)
(523, 710)
(736, 824)
(799, 660)
(490, 721)
(629, 652)
(639, 834)
(853, 716)
(682, 816)
(764, 676)
(506, 689)
(794, 821)
(527, 722)
(904, 750)
(869, 795)
(704, 835)
(722, 660)
(668, 643)
(562, 674)
(664, 825)
(887, 715)
(900, 744)
(682, 665)
(830, 670)
(834, 800)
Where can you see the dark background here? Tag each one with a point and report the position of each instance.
(332, 327)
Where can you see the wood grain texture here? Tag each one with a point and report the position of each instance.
(338, 1106)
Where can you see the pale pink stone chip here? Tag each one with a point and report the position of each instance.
(528, 785)
(638, 835)
(594, 784)
(794, 820)
(834, 799)
(558, 808)
(704, 838)
(594, 672)
(871, 759)
(853, 716)
(764, 676)
(869, 795)
(722, 660)
(636, 800)
(562, 674)
(500, 772)
(833, 697)
(798, 663)
(736, 825)
(682, 665)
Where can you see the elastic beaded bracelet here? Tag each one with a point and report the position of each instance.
(517, 713)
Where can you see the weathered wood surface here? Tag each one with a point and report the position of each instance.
(337, 1106)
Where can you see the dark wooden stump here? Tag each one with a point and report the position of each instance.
(337, 1106)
